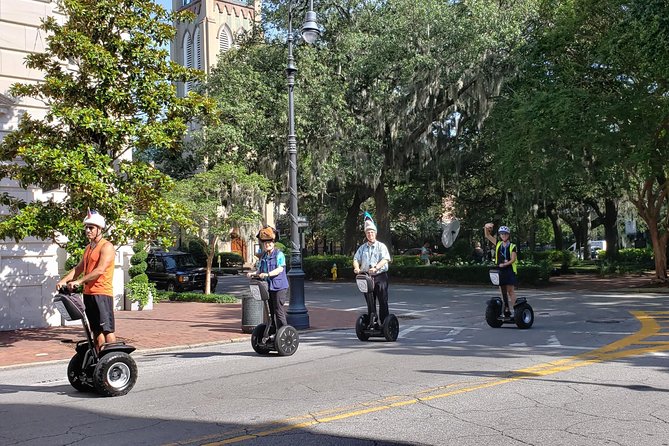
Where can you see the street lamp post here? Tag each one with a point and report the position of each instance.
(297, 316)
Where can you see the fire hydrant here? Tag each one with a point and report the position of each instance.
(334, 271)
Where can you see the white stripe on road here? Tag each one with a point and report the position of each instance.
(408, 330)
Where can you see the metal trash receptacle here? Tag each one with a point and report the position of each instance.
(252, 314)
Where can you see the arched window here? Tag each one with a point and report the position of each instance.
(197, 49)
(188, 56)
(224, 39)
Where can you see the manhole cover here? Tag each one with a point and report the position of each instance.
(603, 321)
(407, 316)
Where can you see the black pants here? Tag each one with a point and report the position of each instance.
(381, 293)
(276, 301)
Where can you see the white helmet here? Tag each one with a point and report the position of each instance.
(504, 230)
(93, 218)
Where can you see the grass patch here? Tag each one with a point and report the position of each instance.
(174, 296)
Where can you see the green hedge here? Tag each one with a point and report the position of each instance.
(639, 256)
(318, 268)
(229, 259)
(196, 297)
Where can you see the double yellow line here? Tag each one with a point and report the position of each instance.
(653, 336)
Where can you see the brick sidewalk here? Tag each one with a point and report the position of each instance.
(169, 324)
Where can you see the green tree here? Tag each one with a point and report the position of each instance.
(378, 101)
(219, 200)
(110, 89)
(590, 112)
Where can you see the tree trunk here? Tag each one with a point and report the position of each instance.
(650, 204)
(210, 260)
(611, 228)
(382, 219)
(557, 229)
(351, 235)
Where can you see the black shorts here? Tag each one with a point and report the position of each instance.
(507, 276)
(100, 313)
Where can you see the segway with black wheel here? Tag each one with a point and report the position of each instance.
(495, 315)
(265, 337)
(109, 372)
(368, 324)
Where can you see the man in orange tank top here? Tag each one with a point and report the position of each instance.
(95, 272)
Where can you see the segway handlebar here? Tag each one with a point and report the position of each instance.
(365, 282)
(259, 288)
(70, 305)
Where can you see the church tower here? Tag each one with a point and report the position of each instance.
(217, 25)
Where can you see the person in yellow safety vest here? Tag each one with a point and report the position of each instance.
(333, 271)
(506, 257)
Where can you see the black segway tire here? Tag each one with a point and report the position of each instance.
(391, 328)
(524, 315)
(256, 340)
(286, 340)
(492, 312)
(115, 374)
(360, 327)
(74, 369)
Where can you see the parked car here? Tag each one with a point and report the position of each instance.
(595, 245)
(177, 271)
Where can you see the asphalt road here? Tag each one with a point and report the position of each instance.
(592, 371)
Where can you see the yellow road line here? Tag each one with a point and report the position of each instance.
(625, 347)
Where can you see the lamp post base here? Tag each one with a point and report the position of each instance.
(297, 314)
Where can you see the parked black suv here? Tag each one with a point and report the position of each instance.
(177, 271)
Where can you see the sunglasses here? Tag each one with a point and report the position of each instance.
(90, 228)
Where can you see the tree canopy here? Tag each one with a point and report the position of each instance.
(110, 92)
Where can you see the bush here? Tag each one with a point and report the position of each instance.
(73, 260)
(138, 288)
(318, 268)
(196, 297)
(230, 259)
(639, 256)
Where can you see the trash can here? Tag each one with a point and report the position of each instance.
(252, 313)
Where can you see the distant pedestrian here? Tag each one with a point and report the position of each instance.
(478, 254)
(425, 253)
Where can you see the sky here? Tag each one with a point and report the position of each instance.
(167, 4)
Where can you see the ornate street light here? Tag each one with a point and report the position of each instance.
(297, 316)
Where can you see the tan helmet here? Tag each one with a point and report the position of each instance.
(267, 234)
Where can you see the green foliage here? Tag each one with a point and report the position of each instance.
(641, 257)
(138, 288)
(114, 96)
(73, 259)
(318, 268)
(139, 291)
(230, 259)
(137, 270)
(139, 257)
(196, 297)
(408, 260)
(221, 199)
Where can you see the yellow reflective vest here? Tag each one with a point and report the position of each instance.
(511, 248)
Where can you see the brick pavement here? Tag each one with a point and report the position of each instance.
(168, 325)
(188, 324)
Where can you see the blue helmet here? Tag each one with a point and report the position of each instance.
(504, 229)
